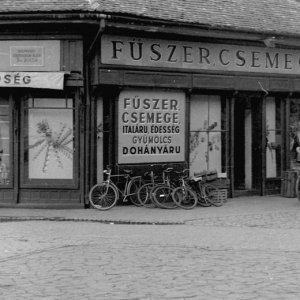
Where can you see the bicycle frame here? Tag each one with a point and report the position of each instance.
(125, 193)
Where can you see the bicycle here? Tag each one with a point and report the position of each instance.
(207, 194)
(196, 183)
(162, 193)
(104, 195)
(145, 191)
(183, 195)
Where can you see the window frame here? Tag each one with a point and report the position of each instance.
(11, 122)
(25, 181)
(276, 130)
(223, 131)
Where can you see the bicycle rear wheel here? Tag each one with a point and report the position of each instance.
(202, 196)
(184, 197)
(145, 196)
(103, 196)
(162, 196)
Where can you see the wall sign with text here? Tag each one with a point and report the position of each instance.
(151, 126)
(143, 52)
(30, 55)
(42, 80)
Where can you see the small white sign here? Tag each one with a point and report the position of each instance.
(26, 56)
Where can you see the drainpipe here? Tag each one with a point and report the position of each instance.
(100, 30)
(89, 154)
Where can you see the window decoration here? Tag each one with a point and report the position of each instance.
(56, 142)
(51, 139)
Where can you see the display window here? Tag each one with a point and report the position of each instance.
(5, 143)
(294, 134)
(49, 141)
(207, 133)
(273, 137)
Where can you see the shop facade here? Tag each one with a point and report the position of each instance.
(202, 103)
(138, 94)
(41, 138)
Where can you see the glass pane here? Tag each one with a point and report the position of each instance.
(270, 113)
(214, 119)
(4, 142)
(69, 103)
(199, 113)
(50, 143)
(4, 101)
(273, 138)
(49, 102)
(30, 103)
(214, 151)
(4, 129)
(207, 147)
(198, 151)
(4, 109)
(273, 154)
(278, 114)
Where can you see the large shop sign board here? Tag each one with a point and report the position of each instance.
(151, 126)
(143, 52)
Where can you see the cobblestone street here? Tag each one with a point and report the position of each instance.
(219, 255)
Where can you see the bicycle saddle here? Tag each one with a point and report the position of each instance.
(128, 172)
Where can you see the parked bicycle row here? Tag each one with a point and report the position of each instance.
(169, 190)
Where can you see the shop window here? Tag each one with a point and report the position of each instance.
(5, 142)
(273, 137)
(294, 134)
(50, 138)
(207, 133)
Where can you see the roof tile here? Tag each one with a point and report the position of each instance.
(269, 16)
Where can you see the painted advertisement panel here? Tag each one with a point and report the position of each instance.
(151, 126)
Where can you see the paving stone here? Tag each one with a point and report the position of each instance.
(251, 254)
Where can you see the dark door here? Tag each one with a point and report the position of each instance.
(247, 145)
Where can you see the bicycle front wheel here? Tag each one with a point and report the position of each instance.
(184, 197)
(202, 195)
(133, 187)
(145, 196)
(162, 196)
(103, 196)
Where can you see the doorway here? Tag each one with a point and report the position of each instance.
(247, 145)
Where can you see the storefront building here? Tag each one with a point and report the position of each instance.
(40, 134)
(203, 103)
(142, 87)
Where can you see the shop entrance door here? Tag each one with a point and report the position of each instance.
(247, 145)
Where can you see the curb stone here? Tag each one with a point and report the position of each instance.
(61, 219)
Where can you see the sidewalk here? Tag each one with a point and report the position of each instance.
(140, 215)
